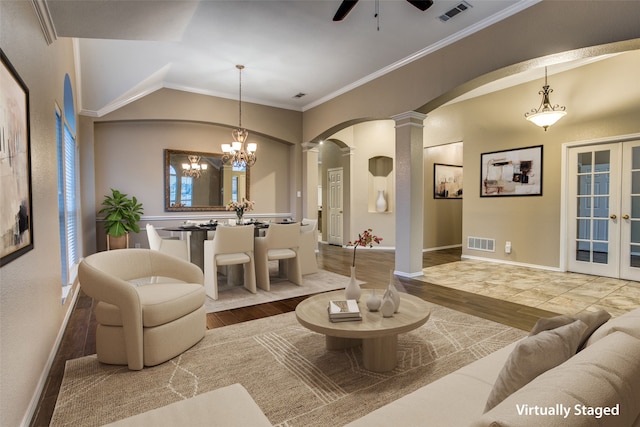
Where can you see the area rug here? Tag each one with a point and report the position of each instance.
(285, 368)
(230, 296)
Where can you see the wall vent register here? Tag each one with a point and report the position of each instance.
(481, 244)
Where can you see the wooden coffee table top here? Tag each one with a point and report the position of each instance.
(312, 314)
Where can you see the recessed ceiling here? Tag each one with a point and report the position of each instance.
(127, 49)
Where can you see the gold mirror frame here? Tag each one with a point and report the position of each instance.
(200, 196)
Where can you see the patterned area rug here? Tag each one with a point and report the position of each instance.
(285, 368)
(235, 296)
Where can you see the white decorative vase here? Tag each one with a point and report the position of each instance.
(381, 202)
(374, 301)
(352, 291)
(393, 292)
(387, 307)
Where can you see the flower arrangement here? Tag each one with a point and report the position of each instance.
(240, 207)
(366, 238)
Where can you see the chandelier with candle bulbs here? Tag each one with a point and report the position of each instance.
(194, 168)
(240, 153)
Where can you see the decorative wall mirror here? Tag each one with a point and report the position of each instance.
(201, 181)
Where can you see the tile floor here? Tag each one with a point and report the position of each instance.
(566, 293)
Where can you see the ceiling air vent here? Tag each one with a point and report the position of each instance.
(299, 95)
(456, 10)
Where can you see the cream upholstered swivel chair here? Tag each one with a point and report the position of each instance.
(174, 247)
(281, 242)
(308, 246)
(143, 324)
(230, 245)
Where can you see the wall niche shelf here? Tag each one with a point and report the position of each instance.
(380, 184)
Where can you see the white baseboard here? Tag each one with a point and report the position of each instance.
(439, 248)
(518, 264)
(35, 400)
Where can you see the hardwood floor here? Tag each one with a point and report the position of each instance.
(372, 267)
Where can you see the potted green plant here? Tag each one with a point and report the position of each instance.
(121, 216)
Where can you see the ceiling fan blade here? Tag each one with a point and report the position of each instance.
(344, 9)
(421, 4)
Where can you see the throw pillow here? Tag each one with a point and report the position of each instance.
(593, 321)
(533, 356)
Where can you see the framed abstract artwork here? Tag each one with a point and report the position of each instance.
(16, 221)
(447, 181)
(516, 172)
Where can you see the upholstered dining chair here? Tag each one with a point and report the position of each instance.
(231, 245)
(281, 242)
(143, 322)
(174, 247)
(308, 246)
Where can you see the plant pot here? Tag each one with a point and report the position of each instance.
(121, 242)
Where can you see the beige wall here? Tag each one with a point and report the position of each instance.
(442, 217)
(533, 224)
(129, 156)
(31, 312)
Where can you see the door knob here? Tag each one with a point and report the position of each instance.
(613, 216)
(625, 216)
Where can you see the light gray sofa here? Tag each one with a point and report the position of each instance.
(604, 374)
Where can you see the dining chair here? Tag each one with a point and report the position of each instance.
(308, 246)
(142, 322)
(174, 247)
(231, 245)
(281, 242)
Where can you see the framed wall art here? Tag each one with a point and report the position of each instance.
(516, 172)
(16, 222)
(447, 181)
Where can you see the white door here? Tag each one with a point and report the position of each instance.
(604, 231)
(334, 200)
(630, 212)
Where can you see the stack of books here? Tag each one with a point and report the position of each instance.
(344, 310)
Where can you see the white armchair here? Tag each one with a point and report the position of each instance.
(143, 322)
(173, 247)
(281, 242)
(308, 246)
(230, 245)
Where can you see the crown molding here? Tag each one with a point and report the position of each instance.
(45, 21)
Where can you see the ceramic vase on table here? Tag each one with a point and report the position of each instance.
(374, 301)
(352, 291)
(381, 202)
(393, 292)
(387, 307)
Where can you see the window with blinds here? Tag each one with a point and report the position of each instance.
(67, 199)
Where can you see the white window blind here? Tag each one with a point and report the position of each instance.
(67, 199)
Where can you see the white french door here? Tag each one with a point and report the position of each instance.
(604, 210)
(334, 200)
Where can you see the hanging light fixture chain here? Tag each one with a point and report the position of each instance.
(240, 67)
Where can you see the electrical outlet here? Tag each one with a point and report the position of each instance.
(507, 247)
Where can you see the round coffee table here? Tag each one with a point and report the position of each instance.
(378, 335)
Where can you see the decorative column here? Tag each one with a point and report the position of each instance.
(310, 180)
(409, 193)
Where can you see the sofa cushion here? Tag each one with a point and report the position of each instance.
(161, 303)
(628, 322)
(228, 406)
(533, 356)
(465, 390)
(603, 375)
(593, 321)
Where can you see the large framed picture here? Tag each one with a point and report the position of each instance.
(516, 172)
(447, 181)
(16, 222)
